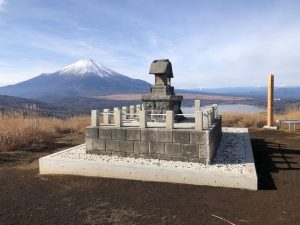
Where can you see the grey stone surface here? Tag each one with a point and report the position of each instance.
(99, 144)
(112, 145)
(141, 147)
(119, 134)
(181, 136)
(104, 133)
(134, 134)
(190, 150)
(157, 147)
(198, 137)
(92, 132)
(161, 66)
(164, 135)
(117, 117)
(203, 149)
(148, 135)
(173, 149)
(94, 118)
(169, 119)
(126, 146)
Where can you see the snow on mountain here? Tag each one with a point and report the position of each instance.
(86, 67)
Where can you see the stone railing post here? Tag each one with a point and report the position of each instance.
(94, 118)
(131, 111)
(138, 109)
(197, 105)
(209, 113)
(117, 117)
(213, 116)
(216, 110)
(124, 112)
(198, 120)
(206, 119)
(170, 119)
(106, 116)
(143, 119)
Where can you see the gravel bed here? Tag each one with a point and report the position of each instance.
(230, 156)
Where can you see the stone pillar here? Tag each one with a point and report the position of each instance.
(143, 119)
(117, 117)
(124, 112)
(131, 111)
(198, 120)
(94, 118)
(106, 116)
(197, 105)
(209, 113)
(216, 110)
(270, 119)
(206, 119)
(138, 109)
(213, 116)
(169, 119)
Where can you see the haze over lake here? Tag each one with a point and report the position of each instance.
(231, 108)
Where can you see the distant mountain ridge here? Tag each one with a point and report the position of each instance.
(284, 92)
(84, 78)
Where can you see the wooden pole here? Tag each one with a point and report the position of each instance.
(270, 100)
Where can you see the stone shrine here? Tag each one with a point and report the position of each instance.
(162, 96)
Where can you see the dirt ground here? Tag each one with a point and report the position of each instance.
(27, 198)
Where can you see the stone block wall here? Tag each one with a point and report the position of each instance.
(158, 143)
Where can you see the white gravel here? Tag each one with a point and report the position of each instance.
(230, 156)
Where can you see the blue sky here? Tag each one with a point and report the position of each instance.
(210, 43)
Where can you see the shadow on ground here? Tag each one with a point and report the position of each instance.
(270, 158)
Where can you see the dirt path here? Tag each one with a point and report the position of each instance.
(27, 198)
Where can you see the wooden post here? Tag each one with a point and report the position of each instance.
(270, 120)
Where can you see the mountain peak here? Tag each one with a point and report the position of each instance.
(86, 67)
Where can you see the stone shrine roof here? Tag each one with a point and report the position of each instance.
(161, 67)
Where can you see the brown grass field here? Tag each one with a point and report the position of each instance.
(18, 132)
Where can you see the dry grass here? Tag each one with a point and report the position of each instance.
(18, 132)
(240, 119)
(255, 120)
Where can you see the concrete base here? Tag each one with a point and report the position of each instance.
(272, 127)
(74, 161)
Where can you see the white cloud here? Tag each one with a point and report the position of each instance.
(2, 3)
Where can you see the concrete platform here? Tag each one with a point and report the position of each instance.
(233, 165)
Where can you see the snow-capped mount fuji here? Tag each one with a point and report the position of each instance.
(85, 78)
(85, 67)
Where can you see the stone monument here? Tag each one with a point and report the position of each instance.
(162, 97)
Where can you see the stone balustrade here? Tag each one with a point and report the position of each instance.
(203, 118)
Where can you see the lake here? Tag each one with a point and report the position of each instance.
(230, 107)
